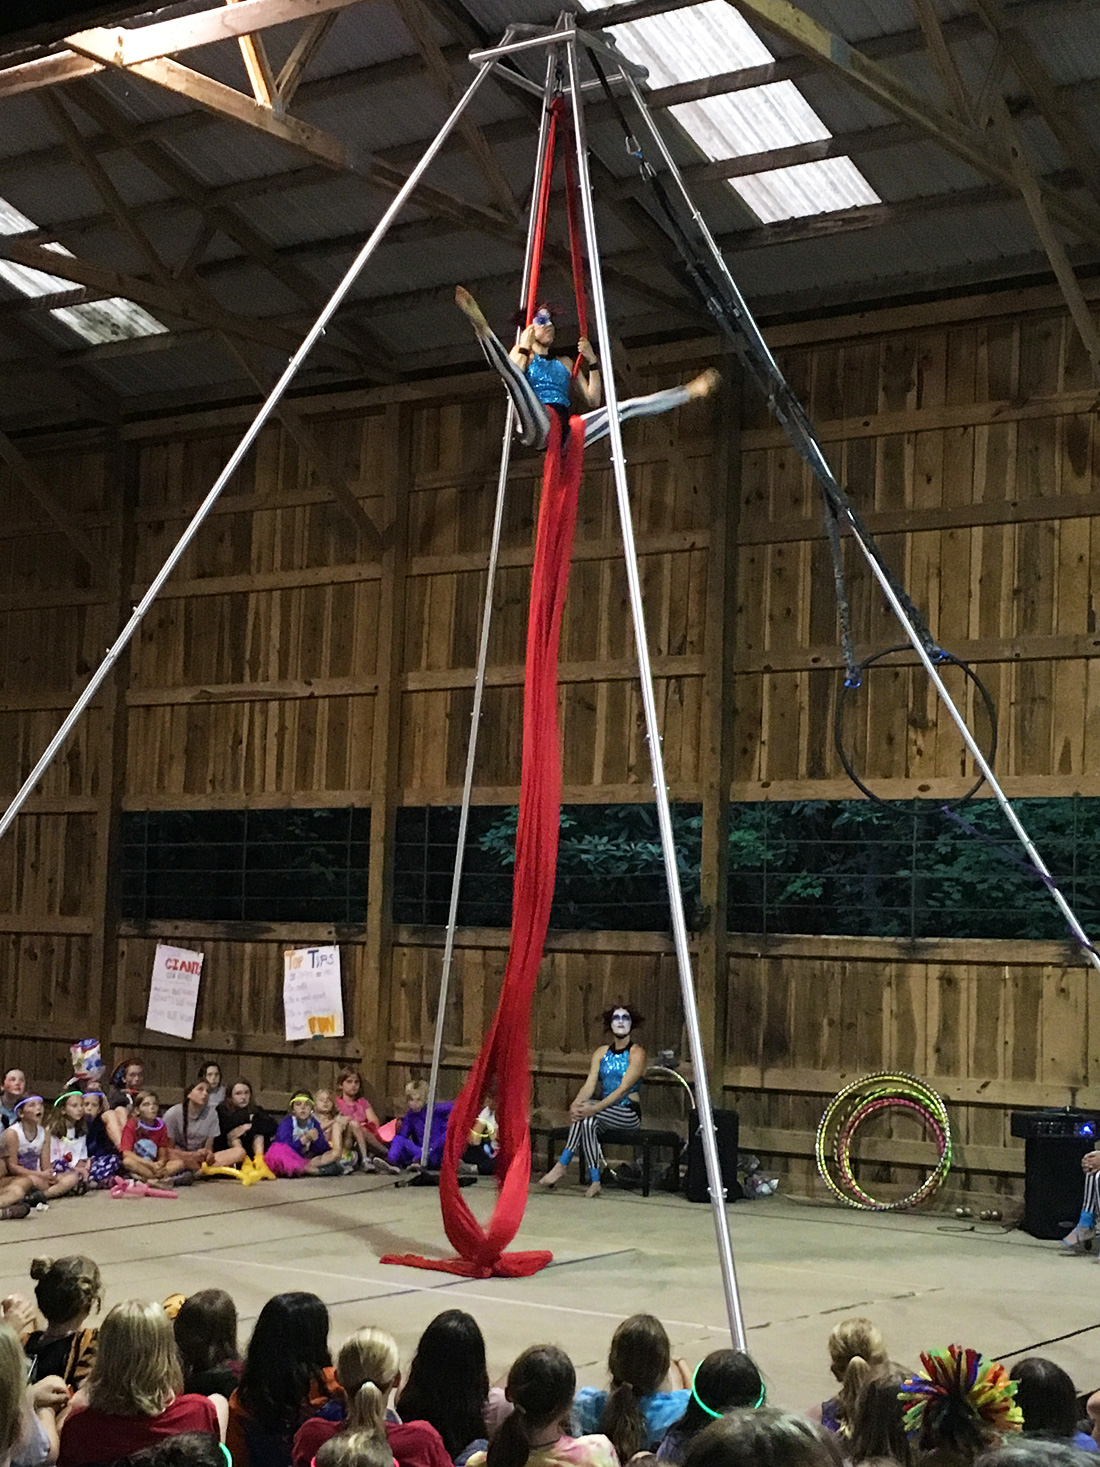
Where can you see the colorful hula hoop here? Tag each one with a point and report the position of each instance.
(857, 1103)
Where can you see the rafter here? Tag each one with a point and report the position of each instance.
(260, 76)
(1055, 103)
(418, 24)
(943, 62)
(303, 52)
(46, 500)
(835, 55)
(83, 54)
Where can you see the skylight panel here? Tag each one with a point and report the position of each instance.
(712, 38)
(805, 189)
(114, 319)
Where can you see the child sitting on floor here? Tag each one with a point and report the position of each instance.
(68, 1130)
(27, 1150)
(351, 1102)
(341, 1135)
(408, 1144)
(299, 1148)
(104, 1157)
(146, 1144)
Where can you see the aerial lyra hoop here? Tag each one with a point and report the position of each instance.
(850, 689)
(857, 1103)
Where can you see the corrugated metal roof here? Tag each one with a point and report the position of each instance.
(310, 219)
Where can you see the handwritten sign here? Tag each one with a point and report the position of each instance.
(313, 1005)
(174, 991)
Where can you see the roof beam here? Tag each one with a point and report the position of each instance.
(418, 24)
(305, 48)
(46, 500)
(835, 55)
(127, 47)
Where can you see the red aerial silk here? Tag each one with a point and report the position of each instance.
(503, 1065)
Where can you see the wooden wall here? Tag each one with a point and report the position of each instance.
(294, 661)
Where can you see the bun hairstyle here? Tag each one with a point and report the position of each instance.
(367, 1367)
(67, 1287)
(541, 1385)
(638, 1362)
(857, 1351)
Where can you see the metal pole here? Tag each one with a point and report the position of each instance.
(653, 733)
(316, 331)
(815, 455)
(483, 645)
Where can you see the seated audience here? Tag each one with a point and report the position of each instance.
(407, 1146)
(959, 1407)
(189, 1449)
(287, 1378)
(299, 1148)
(205, 1329)
(13, 1091)
(339, 1133)
(135, 1391)
(856, 1351)
(127, 1083)
(211, 1072)
(68, 1153)
(723, 1381)
(28, 1413)
(67, 1291)
(1032, 1451)
(638, 1409)
(104, 1134)
(146, 1145)
(875, 1427)
(26, 1148)
(368, 1370)
(193, 1128)
(765, 1438)
(1048, 1399)
(355, 1449)
(540, 1387)
(244, 1123)
(448, 1385)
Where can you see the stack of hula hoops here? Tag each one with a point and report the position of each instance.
(857, 1103)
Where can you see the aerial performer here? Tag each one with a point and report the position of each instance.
(608, 1101)
(540, 382)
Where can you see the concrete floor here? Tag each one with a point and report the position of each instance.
(925, 1279)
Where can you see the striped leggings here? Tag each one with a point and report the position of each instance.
(584, 1136)
(1090, 1207)
(534, 415)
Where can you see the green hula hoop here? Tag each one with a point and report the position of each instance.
(855, 1104)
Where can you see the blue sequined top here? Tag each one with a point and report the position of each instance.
(613, 1068)
(549, 376)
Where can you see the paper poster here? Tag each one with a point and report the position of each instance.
(312, 1002)
(174, 991)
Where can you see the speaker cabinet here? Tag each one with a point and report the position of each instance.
(695, 1182)
(1054, 1184)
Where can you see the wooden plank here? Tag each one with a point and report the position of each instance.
(372, 1016)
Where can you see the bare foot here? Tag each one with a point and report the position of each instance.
(594, 1189)
(466, 303)
(553, 1176)
(704, 384)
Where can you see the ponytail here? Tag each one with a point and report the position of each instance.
(857, 1373)
(510, 1447)
(623, 1423)
(367, 1411)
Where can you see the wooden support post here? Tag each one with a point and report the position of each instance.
(103, 1012)
(373, 1013)
(717, 770)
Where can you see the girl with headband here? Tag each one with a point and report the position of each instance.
(724, 1381)
(540, 383)
(299, 1148)
(68, 1153)
(26, 1146)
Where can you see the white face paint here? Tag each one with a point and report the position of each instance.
(621, 1023)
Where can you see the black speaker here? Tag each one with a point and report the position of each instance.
(1054, 1184)
(695, 1182)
